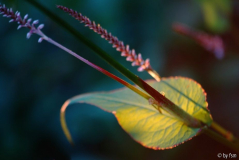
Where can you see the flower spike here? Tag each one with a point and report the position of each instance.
(119, 45)
(211, 43)
(25, 22)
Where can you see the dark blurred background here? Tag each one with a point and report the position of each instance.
(36, 79)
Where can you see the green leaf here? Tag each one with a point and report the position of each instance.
(142, 121)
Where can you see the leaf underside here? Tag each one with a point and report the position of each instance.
(143, 122)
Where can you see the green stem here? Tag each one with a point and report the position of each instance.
(228, 135)
(224, 141)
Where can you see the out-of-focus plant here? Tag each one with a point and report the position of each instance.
(216, 13)
(211, 43)
(158, 114)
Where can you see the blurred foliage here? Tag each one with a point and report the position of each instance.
(36, 79)
(216, 14)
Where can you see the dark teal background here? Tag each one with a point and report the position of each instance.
(36, 79)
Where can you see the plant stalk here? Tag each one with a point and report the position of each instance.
(227, 134)
(222, 140)
(133, 88)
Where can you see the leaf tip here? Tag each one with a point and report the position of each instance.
(63, 122)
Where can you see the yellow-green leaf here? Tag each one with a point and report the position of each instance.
(142, 121)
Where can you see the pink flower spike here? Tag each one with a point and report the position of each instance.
(211, 43)
(119, 45)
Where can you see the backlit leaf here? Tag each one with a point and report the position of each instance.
(142, 121)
